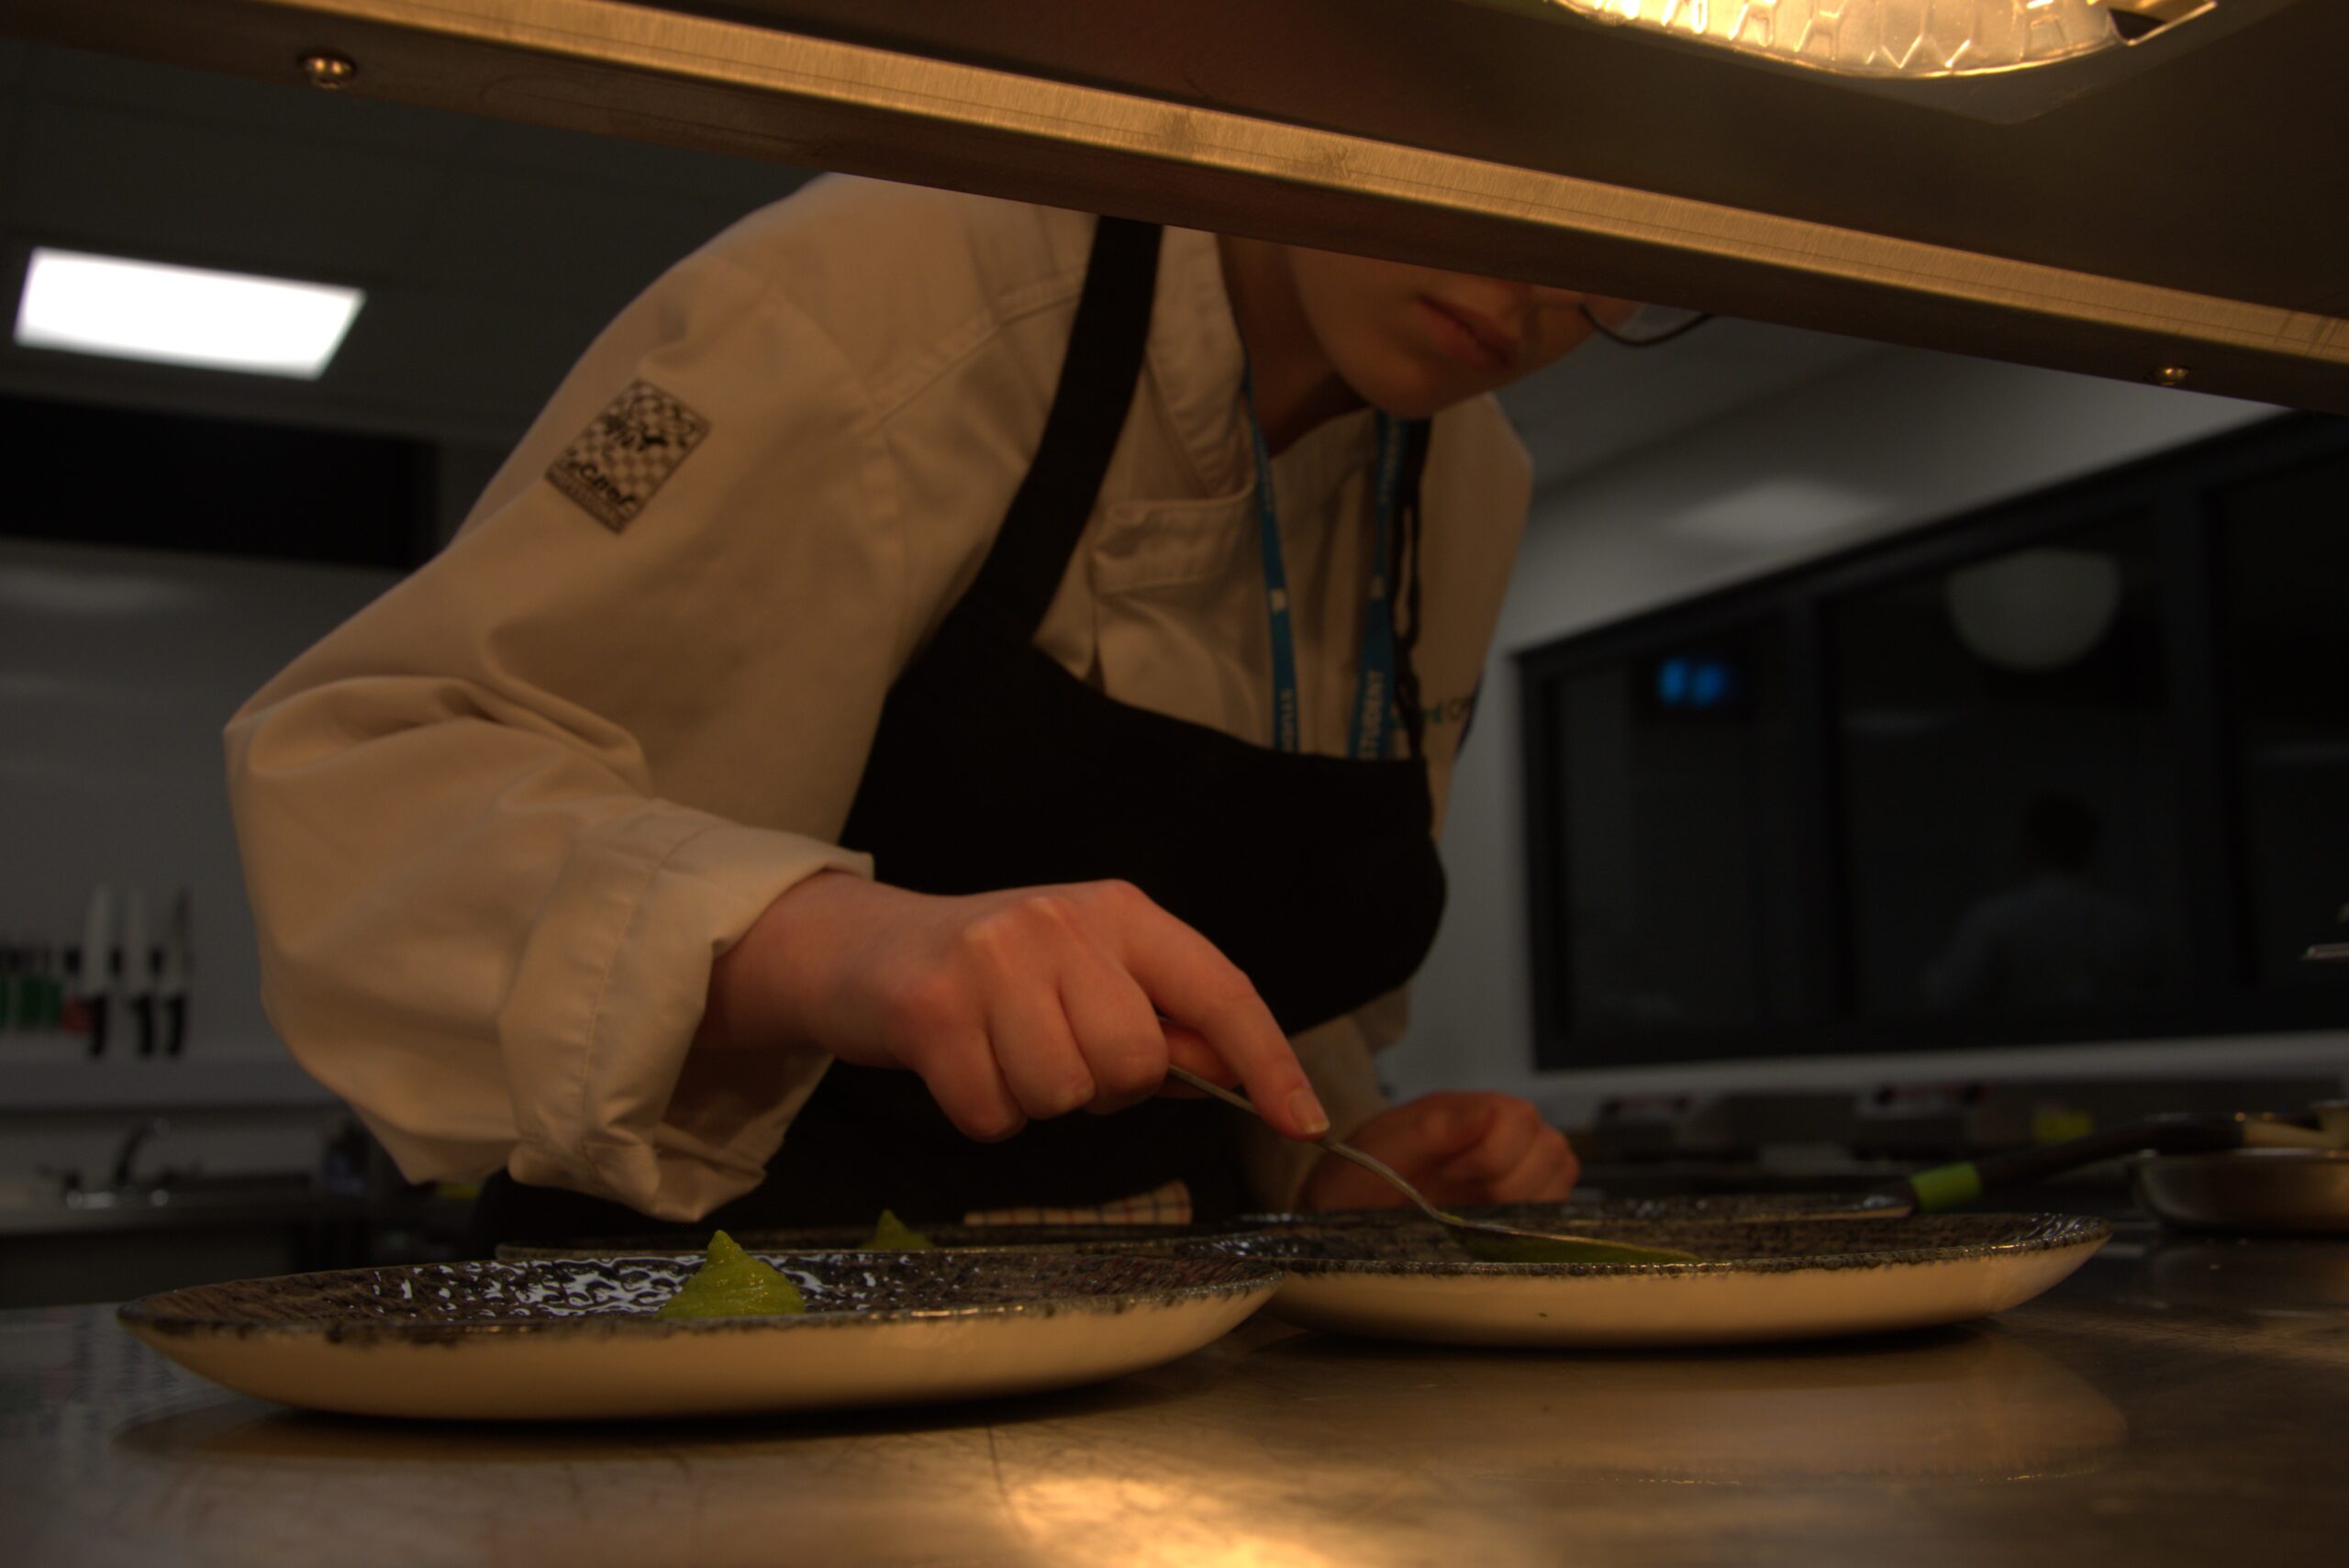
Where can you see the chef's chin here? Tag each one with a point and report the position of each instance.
(1410, 385)
(1424, 395)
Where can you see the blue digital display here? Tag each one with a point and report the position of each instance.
(1694, 683)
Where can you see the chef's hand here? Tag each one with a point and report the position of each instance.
(1455, 1147)
(1011, 1006)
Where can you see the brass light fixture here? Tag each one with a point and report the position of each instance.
(1898, 40)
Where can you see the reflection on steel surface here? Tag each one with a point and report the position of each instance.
(1877, 38)
(1970, 1404)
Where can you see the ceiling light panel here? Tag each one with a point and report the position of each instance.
(181, 316)
(1779, 511)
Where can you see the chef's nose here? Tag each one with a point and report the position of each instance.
(1513, 304)
(1607, 307)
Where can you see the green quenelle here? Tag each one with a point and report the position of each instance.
(732, 1284)
(893, 1234)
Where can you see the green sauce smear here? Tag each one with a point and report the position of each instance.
(893, 1234)
(1486, 1247)
(732, 1284)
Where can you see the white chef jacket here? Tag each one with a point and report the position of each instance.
(497, 825)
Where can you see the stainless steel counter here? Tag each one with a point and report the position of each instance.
(2177, 1402)
(162, 1208)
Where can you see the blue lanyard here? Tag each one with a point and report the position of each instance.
(1374, 711)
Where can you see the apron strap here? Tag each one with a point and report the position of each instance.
(1098, 376)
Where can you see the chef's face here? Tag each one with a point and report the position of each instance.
(1413, 341)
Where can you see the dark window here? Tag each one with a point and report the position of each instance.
(1667, 762)
(2281, 548)
(2073, 768)
(2002, 745)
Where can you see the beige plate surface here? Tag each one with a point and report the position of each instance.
(575, 1339)
(1791, 1280)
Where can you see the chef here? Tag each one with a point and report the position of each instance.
(934, 662)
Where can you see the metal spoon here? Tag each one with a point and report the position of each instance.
(1490, 1243)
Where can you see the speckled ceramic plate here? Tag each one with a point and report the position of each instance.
(1579, 1214)
(560, 1341)
(1071, 1237)
(1796, 1279)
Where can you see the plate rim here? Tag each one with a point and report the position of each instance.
(1258, 1274)
(1134, 1239)
(2064, 1231)
(2237, 1158)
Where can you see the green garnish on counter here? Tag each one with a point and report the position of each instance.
(732, 1284)
(893, 1234)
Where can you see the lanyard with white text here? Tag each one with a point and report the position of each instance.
(1374, 710)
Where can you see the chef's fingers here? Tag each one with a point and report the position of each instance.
(1012, 959)
(1188, 1049)
(1193, 984)
(1419, 1137)
(1557, 1183)
(1507, 1129)
(1115, 1028)
(1572, 1166)
(1415, 1136)
(1036, 1051)
(1543, 1174)
(963, 1077)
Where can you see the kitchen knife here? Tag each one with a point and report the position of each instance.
(134, 979)
(1948, 1187)
(170, 978)
(93, 979)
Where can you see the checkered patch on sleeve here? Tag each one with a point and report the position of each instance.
(627, 453)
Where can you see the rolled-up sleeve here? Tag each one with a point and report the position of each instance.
(496, 827)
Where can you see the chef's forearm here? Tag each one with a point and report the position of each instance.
(757, 986)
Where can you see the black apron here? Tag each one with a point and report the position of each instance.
(994, 768)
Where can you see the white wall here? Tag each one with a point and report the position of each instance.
(1879, 444)
(117, 668)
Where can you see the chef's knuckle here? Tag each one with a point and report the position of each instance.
(991, 940)
(1132, 1066)
(1064, 1095)
(1118, 896)
(988, 1120)
(1049, 914)
(930, 1006)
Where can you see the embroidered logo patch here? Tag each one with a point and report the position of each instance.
(621, 460)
